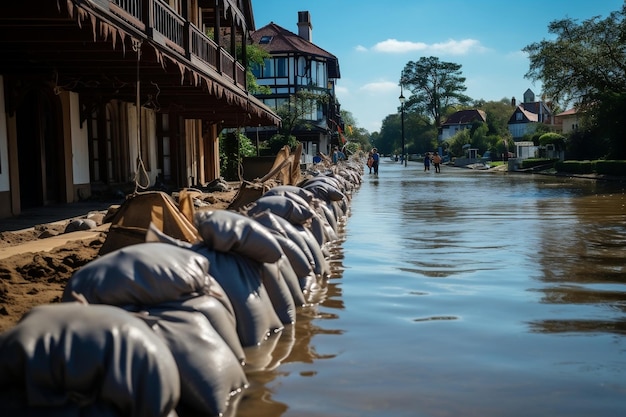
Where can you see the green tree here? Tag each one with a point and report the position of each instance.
(586, 65)
(256, 56)
(435, 86)
(233, 147)
(454, 144)
(354, 133)
(299, 110)
(552, 138)
(498, 114)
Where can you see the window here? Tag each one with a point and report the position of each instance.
(268, 68)
(265, 40)
(281, 67)
(518, 116)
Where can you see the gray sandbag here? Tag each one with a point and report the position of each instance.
(218, 310)
(281, 206)
(327, 212)
(316, 250)
(80, 224)
(299, 191)
(141, 274)
(229, 231)
(240, 277)
(210, 374)
(291, 279)
(283, 226)
(215, 305)
(85, 360)
(303, 236)
(279, 291)
(324, 190)
(298, 260)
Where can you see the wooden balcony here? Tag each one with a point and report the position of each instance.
(165, 26)
(91, 47)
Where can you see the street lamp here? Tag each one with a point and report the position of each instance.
(402, 99)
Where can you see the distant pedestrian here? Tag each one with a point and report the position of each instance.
(375, 160)
(437, 162)
(427, 162)
(317, 159)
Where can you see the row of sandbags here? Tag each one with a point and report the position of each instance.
(159, 328)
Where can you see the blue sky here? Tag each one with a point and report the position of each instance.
(373, 41)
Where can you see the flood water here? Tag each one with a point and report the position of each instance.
(462, 293)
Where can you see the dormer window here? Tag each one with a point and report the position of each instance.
(265, 40)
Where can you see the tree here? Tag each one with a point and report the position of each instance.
(354, 133)
(299, 110)
(498, 114)
(256, 57)
(435, 86)
(586, 66)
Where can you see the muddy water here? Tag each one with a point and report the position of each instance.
(461, 294)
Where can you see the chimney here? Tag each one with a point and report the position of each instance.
(304, 26)
(513, 102)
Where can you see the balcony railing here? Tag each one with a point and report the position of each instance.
(165, 26)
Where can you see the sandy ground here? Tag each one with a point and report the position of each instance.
(34, 278)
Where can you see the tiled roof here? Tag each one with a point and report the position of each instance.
(466, 117)
(569, 112)
(284, 41)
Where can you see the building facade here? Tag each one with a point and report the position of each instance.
(528, 115)
(297, 65)
(97, 95)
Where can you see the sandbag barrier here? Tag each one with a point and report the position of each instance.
(159, 328)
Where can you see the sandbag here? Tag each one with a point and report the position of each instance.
(324, 190)
(141, 274)
(284, 226)
(297, 258)
(209, 371)
(293, 281)
(219, 312)
(87, 360)
(279, 291)
(281, 189)
(240, 277)
(283, 207)
(228, 231)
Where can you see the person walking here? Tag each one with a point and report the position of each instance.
(375, 160)
(427, 162)
(437, 162)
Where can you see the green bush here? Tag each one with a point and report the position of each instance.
(575, 167)
(611, 167)
(535, 162)
(601, 167)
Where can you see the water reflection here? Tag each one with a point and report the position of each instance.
(461, 293)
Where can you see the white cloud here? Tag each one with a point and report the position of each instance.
(451, 47)
(360, 48)
(379, 87)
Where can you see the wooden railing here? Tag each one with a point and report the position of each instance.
(164, 25)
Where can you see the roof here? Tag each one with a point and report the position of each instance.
(466, 117)
(283, 41)
(569, 112)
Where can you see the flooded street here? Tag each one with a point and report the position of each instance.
(463, 293)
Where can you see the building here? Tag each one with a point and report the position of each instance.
(460, 120)
(528, 115)
(109, 94)
(568, 121)
(298, 65)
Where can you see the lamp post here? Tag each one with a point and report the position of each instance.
(401, 98)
